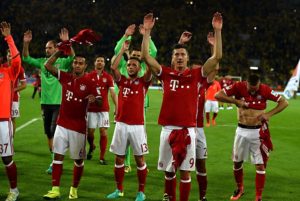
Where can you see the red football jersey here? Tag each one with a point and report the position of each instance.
(257, 100)
(74, 104)
(225, 82)
(103, 82)
(180, 95)
(201, 101)
(131, 100)
(21, 77)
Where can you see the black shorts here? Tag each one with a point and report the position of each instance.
(49, 114)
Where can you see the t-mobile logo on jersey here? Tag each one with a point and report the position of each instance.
(126, 91)
(174, 84)
(69, 95)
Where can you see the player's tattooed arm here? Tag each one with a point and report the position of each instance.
(49, 63)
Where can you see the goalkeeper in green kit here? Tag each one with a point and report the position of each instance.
(135, 51)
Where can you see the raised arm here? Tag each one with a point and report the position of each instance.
(211, 40)
(127, 36)
(64, 36)
(212, 62)
(50, 61)
(151, 62)
(185, 37)
(116, 61)
(26, 41)
(15, 55)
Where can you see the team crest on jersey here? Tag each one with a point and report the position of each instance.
(69, 83)
(82, 87)
(259, 97)
(136, 82)
(1, 75)
(104, 80)
(228, 87)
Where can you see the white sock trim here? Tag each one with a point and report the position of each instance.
(57, 162)
(79, 165)
(143, 167)
(119, 166)
(186, 181)
(201, 173)
(9, 164)
(260, 172)
(170, 178)
(238, 168)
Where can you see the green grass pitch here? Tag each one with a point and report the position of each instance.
(282, 181)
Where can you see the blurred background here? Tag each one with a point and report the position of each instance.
(261, 33)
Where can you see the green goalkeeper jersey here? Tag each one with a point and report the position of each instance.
(51, 88)
(122, 64)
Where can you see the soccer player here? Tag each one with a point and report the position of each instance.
(134, 52)
(211, 104)
(129, 129)
(8, 75)
(51, 93)
(251, 98)
(178, 110)
(36, 84)
(19, 85)
(77, 92)
(99, 116)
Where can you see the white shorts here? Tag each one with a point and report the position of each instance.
(247, 143)
(66, 138)
(201, 146)
(6, 138)
(15, 112)
(211, 106)
(165, 152)
(125, 135)
(98, 119)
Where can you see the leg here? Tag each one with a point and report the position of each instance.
(11, 171)
(185, 185)
(77, 174)
(260, 180)
(239, 176)
(90, 139)
(207, 119)
(142, 175)
(215, 114)
(119, 177)
(103, 145)
(201, 178)
(170, 186)
(57, 166)
(13, 120)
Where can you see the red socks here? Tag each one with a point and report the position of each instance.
(202, 184)
(57, 167)
(142, 174)
(11, 171)
(260, 182)
(170, 187)
(77, 173)
(119, 176)
(239, 177)
(185, 188)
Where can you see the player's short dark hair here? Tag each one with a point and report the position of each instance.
(101, 56)
(135, 58)
(253, 79)
(179, 46)
(81, 56)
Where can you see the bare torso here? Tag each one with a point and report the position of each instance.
(249, 116)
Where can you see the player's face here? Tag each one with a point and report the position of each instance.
(252, 89)
(179, 59)
(50, 49)
(99, 63)
(137, 54)
(133, 67)
(79, 65)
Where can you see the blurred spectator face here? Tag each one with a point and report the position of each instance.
(133, 67)
(179, 59)
(79, 65)
(50, 48)
(99, 63)
(136, 53)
